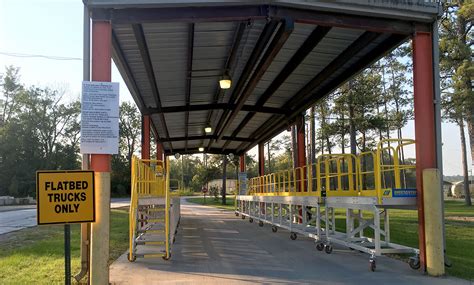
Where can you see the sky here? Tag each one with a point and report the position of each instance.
(54, 28)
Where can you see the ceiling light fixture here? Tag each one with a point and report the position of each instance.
(201, 149)
(225, 82)
(208, 129)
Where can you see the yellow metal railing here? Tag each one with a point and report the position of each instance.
(369, 174)
(148, 181)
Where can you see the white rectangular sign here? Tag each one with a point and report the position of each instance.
(100, 117)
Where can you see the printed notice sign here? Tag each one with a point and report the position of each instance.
(65, 197)
(100, 117)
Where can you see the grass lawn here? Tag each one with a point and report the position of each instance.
(36, 255)
(404, 230)
(210, 201)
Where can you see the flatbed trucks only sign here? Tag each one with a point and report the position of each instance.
(65, 197)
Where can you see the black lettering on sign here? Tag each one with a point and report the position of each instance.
(66, 208)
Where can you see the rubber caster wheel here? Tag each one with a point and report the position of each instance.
(293, 236)
(372, 265)
(236, 214)
(328, 249)
(243, 217)
(251, 220)
(320, 246)
(414, 263)
(260, 224)
(132, 259)
(166, 257)
(274, 229)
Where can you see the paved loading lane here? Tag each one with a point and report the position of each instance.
(215, 247)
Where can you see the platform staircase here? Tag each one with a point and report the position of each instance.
(154, 216)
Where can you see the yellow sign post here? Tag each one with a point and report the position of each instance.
(65, 197)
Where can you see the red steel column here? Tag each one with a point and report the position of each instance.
(301, 149)
(261, 159)
(242, 163)
(424, 123)
(145, 137)
(101, 163)
(159, 151)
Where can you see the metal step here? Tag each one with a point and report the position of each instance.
(149, 242)
(150, 255)
(147, 201)
(150, 231)
(152, 220)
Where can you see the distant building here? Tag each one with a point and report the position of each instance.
(457, 189)
(230, 185)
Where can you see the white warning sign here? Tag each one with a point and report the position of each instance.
(100, 117)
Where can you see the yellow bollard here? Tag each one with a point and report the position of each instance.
(100, 231)
(433, 222)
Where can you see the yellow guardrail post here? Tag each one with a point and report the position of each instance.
(167, 216)
(433, 222)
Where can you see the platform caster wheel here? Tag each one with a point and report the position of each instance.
(166, 257)
(372, 265)
(236, 214)
(243, 217)
(260, 224)
(320, 246)
(414, 263)
(132, 258)
(251, 220)
(328, 248)
(274, 229)
(293, 236)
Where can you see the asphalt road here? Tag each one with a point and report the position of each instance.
(14, 218)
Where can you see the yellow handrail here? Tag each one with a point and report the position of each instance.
(148, 180)
(366, 174)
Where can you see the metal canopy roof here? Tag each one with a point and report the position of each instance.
(283, 56)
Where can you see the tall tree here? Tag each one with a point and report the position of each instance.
(456, 40)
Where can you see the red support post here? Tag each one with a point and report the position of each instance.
(242, 163)
(301, 151)
(101, 163)
(261, 159)
(145, 137)
(159, 151)
(424, 123)
(101, 71)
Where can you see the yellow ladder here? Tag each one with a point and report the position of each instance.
(149, 210)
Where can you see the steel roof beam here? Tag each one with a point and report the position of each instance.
(215, 106)
(310, 43)
(239, 32)
(206, 137)
(196, 150)
(122, 65)
(262, 43)
(142, 46)
(226, 13)
(188, 79)
(305, 101)
(360, 43)
(283, 33)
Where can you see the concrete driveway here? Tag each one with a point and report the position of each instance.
(215, 247)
